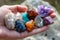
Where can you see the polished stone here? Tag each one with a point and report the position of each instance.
(48, 20)
(20, 26)
(30, 25)
(32, 13)
(38, 21)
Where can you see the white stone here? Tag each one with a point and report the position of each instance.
(10, 20)
(18, 16)
(38, 21)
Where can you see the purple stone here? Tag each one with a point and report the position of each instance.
(43, 11)
(48, 20)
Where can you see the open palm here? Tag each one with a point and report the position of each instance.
(5, 33)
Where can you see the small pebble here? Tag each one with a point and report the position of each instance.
(10, 20)
(38, 21)
(30, 25)
(25, 17)
(48, 20)
(19, 26)
(32, 14)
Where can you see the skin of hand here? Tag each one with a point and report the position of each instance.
(11, 34)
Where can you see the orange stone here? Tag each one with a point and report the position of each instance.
(30, 25)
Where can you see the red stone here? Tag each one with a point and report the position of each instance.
(48, 20)
(32, 13)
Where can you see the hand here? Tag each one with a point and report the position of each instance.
(5, 33)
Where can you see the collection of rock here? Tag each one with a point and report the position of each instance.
(30, 19)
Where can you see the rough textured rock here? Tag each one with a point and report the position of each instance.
(48, 20)
(44, 11)
(10, 20)
(30, 25)
(25, 17)
(19, 26)
(38, 21)
(32, 14)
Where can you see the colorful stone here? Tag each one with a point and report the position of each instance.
(48, 20)
(25, 17)
(19, 26)
(18, 16)
(32, 14)
(10, 20)
(30, 25)
(38, 21)
(43, 11)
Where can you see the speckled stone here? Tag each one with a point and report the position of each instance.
(44, 11)
(25, 17)
(10, 20)
(48, 20)
(30, 25)
(32, 14)
(38, 21)
(19, 26)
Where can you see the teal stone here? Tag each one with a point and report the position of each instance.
(25, 17)
(38, 21)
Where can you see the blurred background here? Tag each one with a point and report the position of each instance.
(55, 3)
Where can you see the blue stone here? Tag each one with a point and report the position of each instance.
(43, 11)
(25, 17)
(19, 26)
